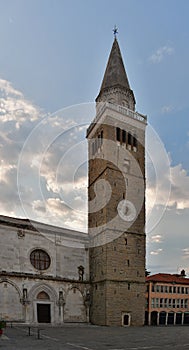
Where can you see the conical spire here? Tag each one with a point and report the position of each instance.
(115, 71)
(115, 77)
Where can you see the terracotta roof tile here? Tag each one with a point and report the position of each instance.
(167, 278)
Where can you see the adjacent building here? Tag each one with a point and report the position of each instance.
(167, 299)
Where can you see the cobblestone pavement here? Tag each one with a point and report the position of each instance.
(87, 337)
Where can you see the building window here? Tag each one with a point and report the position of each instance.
(178, 290)
(174, 289)
(166, 289)
(97, 143)
(129, 286)
(183, 290)
(157, 289)
(101, 138)
(170, 289)
(123, 136)
(162, 289)
(126, 319)
(118, 134)
(40, 259)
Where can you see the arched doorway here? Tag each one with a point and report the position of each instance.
(154, 318)
(179, 318)
(162, 318)
(186, 318)
(170, 319)
(42, 293)
(43, 308)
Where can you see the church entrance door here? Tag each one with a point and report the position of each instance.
(44, 313)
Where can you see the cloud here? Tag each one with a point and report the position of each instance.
(156, 252)
(160, 54)
(43, 173)
(167, 109)
(17, 117)
(179, 194)
(156, 239)
(14, 107)
(56, 211)
(186, 252)
(179, 188)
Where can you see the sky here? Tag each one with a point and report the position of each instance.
(52, 61)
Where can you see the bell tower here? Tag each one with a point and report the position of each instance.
(116, 197)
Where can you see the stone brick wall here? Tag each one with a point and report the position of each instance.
(117, 252)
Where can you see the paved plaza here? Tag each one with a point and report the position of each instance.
(87, 337)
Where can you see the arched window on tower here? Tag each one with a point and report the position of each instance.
(118, 134)
(130, 140)
(101, 138)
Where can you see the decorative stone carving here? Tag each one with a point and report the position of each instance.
(21, 233)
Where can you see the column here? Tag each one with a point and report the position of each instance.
(175, 318)
(182, 318)
(166, 318)
(158, 319)
(149, 318)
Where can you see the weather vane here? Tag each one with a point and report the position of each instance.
(115, 31)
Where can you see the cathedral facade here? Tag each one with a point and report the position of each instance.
(44, 275)
(54, 275)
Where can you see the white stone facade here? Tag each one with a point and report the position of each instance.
(59, 292)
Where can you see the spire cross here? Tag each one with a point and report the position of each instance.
(115, 31)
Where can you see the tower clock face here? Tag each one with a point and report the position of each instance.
(126, 210)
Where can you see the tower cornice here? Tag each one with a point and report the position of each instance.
(121, 113)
